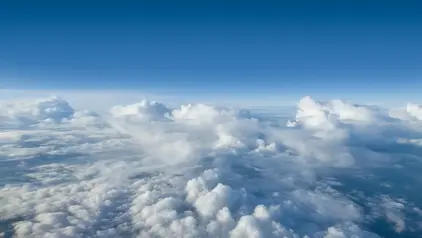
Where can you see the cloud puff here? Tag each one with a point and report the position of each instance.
(411, 111)
(23, 113)
(146, 170)
(144, 110)
(317, 114)
(414, 110)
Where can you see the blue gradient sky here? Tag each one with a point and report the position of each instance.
(244, 48)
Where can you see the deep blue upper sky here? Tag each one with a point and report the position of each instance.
(213, 46)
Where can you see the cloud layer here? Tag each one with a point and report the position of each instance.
(147, 170)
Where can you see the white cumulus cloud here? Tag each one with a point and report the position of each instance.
(150, 170)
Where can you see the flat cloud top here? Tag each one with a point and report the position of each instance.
(147, 170)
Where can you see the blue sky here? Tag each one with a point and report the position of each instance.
(244, 48)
